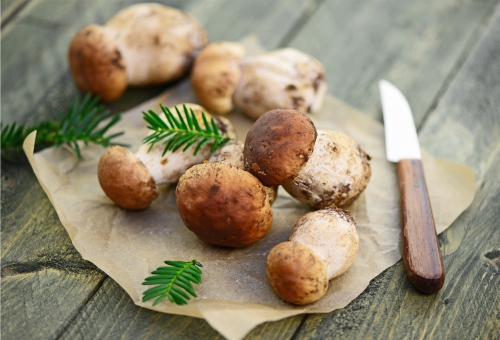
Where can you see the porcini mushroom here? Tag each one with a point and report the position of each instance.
(233, 153)
(296, 273)
(223, 204)
(125, 180)
(332, 234)
(144, 44)
(336, 173)
(278, 145)
(215, 75)
(285, 78)
(323, 245)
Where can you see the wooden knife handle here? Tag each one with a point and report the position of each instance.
(421, 254)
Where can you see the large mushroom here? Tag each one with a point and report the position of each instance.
(144, 44)
(336, 173)
(223, 204)
(285, 78)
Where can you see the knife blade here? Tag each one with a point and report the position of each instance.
(421, 254)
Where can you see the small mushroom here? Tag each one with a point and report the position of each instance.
(223, 204)
(278, 145)
(323, 245)
(233, 153)
(216, 74)
(168, 168)
(332, 234)
(125, 179)
(336, 173)
(144, 44)
(285, 78)
(296, 273)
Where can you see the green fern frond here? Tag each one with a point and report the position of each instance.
(174, 281)
(78, 124)
(182, 131)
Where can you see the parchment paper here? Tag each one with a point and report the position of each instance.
(235, 295)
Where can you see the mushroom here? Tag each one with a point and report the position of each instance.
(144, 44)
(215, 74)
(336, 173)
(125, 180)
(332, 234)
(223, 204)
(278, 145)
(233, 153)
(296, 273)
(130, 179)
(323, 245)
(285, 78)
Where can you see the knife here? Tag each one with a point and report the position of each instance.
(421, 254)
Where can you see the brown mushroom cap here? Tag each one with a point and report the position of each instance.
(332, 234)
(158, 42)
(223, 204)
(97, 64)
(336, 174)
(125, 179)
(296, 273)
(278, 145)
(216, 74)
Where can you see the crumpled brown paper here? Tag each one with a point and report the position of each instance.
(235, 295)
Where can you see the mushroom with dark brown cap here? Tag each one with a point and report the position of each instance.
(296, 273)
(223, 204)
(278, 145)
(125, 179)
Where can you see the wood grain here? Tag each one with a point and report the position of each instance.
(421, 254)
(48, 291)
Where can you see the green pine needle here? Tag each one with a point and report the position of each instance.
(173, 282)
(182, 131)
(79, 124)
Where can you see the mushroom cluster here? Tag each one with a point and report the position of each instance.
(144, 44)
(285, 78)
(131, 180)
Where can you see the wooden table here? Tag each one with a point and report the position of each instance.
(444, 55)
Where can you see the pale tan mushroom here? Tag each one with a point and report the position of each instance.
(286, 78)
(296, 273)
(332, 234)
(145, 43)
(215, 75)
(223, 204)
(336, 173)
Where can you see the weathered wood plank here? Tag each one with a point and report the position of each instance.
(415, 45)
(468, 305)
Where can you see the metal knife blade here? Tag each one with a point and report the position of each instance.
(421, 254)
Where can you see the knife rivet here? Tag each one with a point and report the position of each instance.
(416, 184)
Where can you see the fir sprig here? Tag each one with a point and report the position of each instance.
(183, 131)
(173, 281)
(80, 123)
